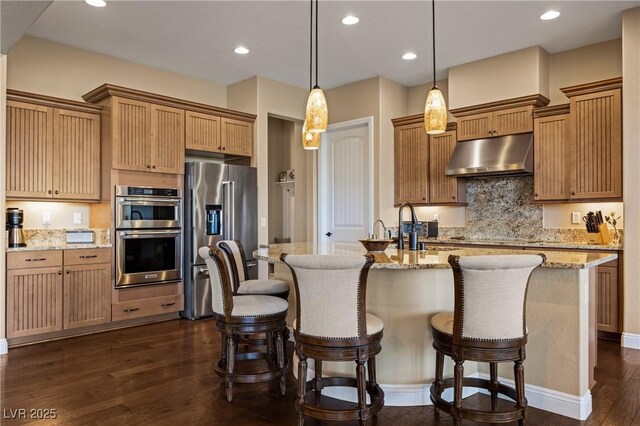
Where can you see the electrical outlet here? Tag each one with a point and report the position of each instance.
(575, 218)
(436, 217)
(263, 222)
(46, 218)
(77, 218)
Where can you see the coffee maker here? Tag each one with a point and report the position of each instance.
(14, 226)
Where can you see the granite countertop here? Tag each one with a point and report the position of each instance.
(59, 247)
(525, 243)
(434, 257)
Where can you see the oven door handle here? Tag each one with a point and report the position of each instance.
(151, 233)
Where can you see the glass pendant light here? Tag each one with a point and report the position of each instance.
(310, 140)
(435, 108)
(317, 116)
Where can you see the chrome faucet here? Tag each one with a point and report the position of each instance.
(414, 220)
(373, 229)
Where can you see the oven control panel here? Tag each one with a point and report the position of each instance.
(147, 191)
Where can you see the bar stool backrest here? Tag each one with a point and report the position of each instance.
(490, 295)
(235, 260)
(331, 294)
(221, 295)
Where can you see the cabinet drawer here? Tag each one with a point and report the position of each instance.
(146, 307)
(87, 256)
(34, 259)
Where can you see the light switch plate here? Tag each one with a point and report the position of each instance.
(575, 218)
(436, 217)
(46, 218)
(77, 218)
(263, 222)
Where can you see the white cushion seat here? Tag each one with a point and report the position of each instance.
(374, 324)
(263, 287)
(251, 306)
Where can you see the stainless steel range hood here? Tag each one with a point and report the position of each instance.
(504, 155)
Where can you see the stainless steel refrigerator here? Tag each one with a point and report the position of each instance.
(220, 203)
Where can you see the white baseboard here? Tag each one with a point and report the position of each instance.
(4, 346)
(576, 407)
(630, 340)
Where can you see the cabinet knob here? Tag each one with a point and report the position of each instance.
(424, 199)
(56, 192)
(573, 192)
(219, 147)
(153, 167)
(535, 195)
(453, 198)
(49, 192)
(148, 166)
(59, 272)
(68, 272)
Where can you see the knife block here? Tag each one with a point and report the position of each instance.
(601, 237)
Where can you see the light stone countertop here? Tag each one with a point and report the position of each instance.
(59, 247)
(435, 257)
(525, 243)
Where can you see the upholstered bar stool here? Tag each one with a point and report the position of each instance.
(332, 324)
(488, 324)
(237, 265)
(246, 315)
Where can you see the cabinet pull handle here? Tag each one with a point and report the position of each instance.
(164, 305)
(130, 309)
(36, 259)
(88, 256)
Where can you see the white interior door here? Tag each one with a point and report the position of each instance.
(345, 182)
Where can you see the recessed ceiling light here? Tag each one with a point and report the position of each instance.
(96, 3)
(350, 20)
(547, 16)
(409, 56)
(241, 50)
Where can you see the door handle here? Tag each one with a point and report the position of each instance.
(328, 234)
(251, 265)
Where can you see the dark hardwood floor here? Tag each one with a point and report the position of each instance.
(162, 374)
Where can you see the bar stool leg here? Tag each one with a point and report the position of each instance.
(362, 392)
(302, 387)
(281, 363)
(317, 384)
(518, 374)
(231, 362)
(458, 374)
(493, 388)
(371, 370)
(439, 379)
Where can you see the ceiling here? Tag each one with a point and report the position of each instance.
(198, 38)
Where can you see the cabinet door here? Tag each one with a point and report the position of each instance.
(607, 290)
(167, 139)
(76, 141)
(87, 295)
(596, 145)
(551, 137)
(411, 155)
(237, 137)
(513, 120)
(34, 301)
(29, 150)
(442, 188)
(131, 134)
(203, 132)
(475, 126)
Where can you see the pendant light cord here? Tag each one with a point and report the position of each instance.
(311, 47)
(316, 43)
(433, 26)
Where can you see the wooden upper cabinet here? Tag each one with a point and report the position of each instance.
(443, 189)
(237, 137)
(411, 156)
(53, 148)
(596, 145)
(203, 132)
(76, 137)
(167, 139)
(29, 150)
(502, 122)
(130, 134)
(551, 140)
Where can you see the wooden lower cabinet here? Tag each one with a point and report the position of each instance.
(607, 289)
(46, 294)
(87, 295)
(147, 307)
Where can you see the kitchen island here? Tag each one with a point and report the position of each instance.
(406, 288)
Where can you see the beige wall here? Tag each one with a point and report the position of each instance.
(559, 215)
(583, 65)
(3, 172)
(45, 67)
(631, 159)
(279, 140)
(61, 213)
(511, 75)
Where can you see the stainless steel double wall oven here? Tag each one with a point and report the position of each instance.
(148, 235)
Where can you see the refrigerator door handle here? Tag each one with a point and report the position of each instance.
(226, 230)
(232, 212)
